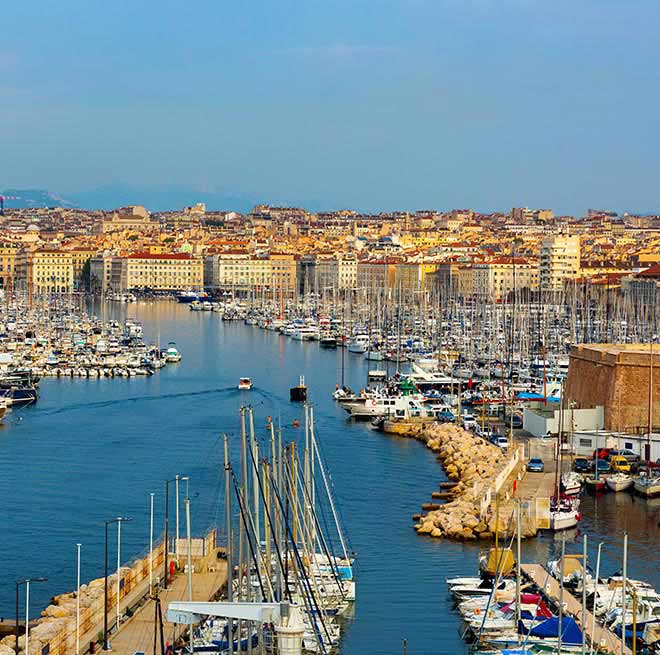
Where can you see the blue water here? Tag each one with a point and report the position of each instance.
(94, 449)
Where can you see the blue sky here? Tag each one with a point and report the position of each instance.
(369, 104)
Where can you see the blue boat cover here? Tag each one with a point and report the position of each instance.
(526, 395)
(571, 633)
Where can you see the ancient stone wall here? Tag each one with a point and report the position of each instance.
(616, 377)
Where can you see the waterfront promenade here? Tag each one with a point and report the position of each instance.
(137, 633)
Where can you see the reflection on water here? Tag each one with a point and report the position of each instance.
(93, 449)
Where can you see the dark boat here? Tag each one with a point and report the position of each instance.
(328, 342)
(299, 393)
(19, 389)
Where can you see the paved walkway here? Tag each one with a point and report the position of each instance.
(550, 588)
(137, 634)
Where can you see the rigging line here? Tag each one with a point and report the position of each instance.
(268, 516)
(306, 587)
(249, 540)
(324, 546)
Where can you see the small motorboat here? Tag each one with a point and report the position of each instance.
(618, 482)
(298, 394)
(595, 484)
(245, 384)
(571, 483)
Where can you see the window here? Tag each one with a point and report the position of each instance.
(585, 442)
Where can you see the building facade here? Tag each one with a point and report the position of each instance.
(8, 253)
(559, 261)
(44, 271)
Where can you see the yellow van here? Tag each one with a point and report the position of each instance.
(620, 464)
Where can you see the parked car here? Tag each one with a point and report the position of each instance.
(628, 454)
(469, 423)
(500, 440)
(602, 453)
(535, 465)
(514, 421)
(619, 464)
(445, 416)
(603, 466)
(581, 465)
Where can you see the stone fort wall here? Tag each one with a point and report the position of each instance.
(616, 377)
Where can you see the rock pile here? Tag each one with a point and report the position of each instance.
(59, 619)
(473, 464)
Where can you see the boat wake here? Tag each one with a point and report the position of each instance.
(135, 399)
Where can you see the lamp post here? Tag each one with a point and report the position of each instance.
(78, 600)
(177, 479)
(151, 542)
(117, 520)
(25, 582)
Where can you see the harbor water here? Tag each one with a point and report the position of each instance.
(93, 449)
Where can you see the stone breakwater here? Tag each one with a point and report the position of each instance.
(473, 464)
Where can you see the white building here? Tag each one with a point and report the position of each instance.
(559, 261)
(586, 441)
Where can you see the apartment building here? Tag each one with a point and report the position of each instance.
(162, 272)
(8, 252)
(244, 271)
(44, 271)
(559, 261)
(499, 277)
(80, 257)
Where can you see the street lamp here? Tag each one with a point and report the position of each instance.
(118, 521)
(167, 518)
(178, 479)
(26, 582)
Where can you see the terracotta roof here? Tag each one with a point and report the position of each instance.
(148, 255)
(654, 271)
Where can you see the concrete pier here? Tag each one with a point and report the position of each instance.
(137, 633)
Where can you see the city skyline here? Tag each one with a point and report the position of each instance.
(369, 106)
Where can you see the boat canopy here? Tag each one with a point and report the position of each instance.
(571, 633)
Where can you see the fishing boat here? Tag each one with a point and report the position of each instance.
(245, 384)
(299, 392)
(619, 482)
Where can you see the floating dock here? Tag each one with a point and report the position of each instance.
(572, 607)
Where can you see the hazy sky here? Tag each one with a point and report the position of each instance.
(362, 103)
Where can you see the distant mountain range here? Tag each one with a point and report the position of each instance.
(112, 197)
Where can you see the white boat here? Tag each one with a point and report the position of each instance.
(648, 487)
(172, 354)
(571, 483)
(358, 344)
(618, 482)
(245, 384)
(384, 406)
(563, 519)
(304, 333)
(374, 356)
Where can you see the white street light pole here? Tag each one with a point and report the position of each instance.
(176, 541)
(151, 543)
(118, 566)
(27, 617)
(78, 601)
